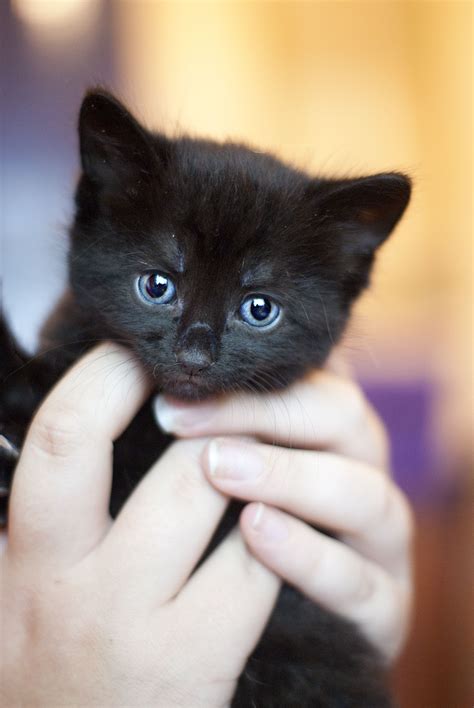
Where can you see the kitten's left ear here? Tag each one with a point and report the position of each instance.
(113, 145)
(358, 215)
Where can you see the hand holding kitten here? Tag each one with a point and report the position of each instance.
(330, 472)
(100, 613)
(108, 611)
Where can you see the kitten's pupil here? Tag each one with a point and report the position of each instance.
(156, 285)
(260, 308)
(156, 288)
(259, 311)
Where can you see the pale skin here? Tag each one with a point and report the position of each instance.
(97, 613)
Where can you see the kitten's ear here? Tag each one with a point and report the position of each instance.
(359, 214)
(113, 145)
(368, 207)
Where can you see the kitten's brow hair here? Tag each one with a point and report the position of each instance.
(254, 277)
(181, 264)
(171, 259)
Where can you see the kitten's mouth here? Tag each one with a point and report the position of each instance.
(188, 387)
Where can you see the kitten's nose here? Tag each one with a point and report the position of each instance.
(196, 349)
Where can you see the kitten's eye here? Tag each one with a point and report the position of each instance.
(156, 288)
(259, 311)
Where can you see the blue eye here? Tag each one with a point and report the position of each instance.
(156, 288)
(259, 311)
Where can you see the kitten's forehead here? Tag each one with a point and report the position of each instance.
(229, 189)
(184, 251)
(235, 214)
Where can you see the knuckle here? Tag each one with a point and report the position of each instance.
(365, 585)
(380, 442)
(383, 496)
(354, 405)
(406, 520)
(392, 626)
(341, 468)
(57, 432)
(354, 399)
(361, 588)
(391, 508)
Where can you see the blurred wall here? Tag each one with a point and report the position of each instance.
(343, 87)
(50, 51)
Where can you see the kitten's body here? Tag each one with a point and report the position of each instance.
(226, 226)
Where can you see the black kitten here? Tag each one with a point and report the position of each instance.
(223, 269)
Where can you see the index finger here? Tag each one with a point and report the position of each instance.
(324, 411)
(61, 488)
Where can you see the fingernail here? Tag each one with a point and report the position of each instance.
(268, 525)
(177, 417)
(234, 461)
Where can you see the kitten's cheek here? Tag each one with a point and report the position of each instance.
(182, 419)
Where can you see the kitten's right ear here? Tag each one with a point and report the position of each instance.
(113, 145)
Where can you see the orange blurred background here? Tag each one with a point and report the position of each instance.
(338, 88)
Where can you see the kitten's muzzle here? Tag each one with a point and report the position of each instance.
(196, 349)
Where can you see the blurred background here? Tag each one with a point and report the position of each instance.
(337, 88)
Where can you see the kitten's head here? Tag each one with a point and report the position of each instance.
(222, 267)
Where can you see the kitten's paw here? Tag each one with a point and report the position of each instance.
(9, 455)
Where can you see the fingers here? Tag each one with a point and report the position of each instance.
(330, 573)
(324, 411)
(166, 525)
(343, 495)
(3, 542)
(61, 488)
(231, 595)
(337, 363)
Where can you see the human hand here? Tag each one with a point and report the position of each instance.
(102, 613)
(329, 469)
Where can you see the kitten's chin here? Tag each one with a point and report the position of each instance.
(188, 390)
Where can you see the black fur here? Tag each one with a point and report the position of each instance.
(223, 222)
